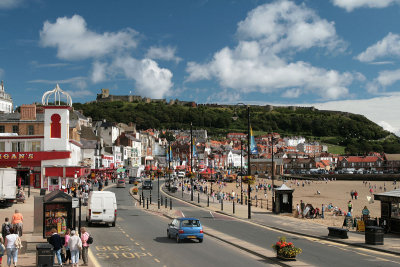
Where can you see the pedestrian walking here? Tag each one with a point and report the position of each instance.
(2, 250)
(55, 240)
(350, 206)
(17, 222)
(12, 244)
(5, 228)
(85, 245)
(67, 249)
(74, 244)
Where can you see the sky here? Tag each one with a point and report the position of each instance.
(332, 54)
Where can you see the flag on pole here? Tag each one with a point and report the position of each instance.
(194, 149)
(170, 154)
(253, 145)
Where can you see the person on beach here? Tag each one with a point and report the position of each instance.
(350, 206)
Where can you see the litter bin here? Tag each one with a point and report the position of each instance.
(374, 235)
(44, 255)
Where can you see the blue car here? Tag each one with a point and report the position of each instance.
(185, 228)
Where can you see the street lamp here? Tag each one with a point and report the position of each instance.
(248, 157)
(191, 162)
(241, 172)
(272, 175)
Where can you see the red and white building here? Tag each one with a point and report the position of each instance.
(40, 143)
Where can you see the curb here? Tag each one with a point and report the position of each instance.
(291, 232)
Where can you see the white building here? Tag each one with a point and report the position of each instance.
(6, 103)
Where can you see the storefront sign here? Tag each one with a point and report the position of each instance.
(30, 156)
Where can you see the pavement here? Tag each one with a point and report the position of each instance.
(287, 223)
(27, 255)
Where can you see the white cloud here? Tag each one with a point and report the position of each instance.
(79, 93)
(350, 5)
(77, 82)
(388, 46)
(164, 53)
(74, 41)
(292, 93)
(257, 63)
(8, 4)
(283, 25)
(384, 79)
(98, 73)
(151, 80)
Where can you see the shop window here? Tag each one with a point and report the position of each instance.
(33, 146)
(17, 147)
(54, 181)
(2, 147)
(31, 130)
(15, 129)
(55, 128)
(2, 129)
(396, 210)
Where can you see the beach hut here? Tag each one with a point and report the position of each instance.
(390, 210)
(283, 199)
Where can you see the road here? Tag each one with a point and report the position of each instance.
(139, 239)
(315, 252)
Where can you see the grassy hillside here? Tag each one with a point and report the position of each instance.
(354, 132)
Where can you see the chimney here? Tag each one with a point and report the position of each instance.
(28, 112)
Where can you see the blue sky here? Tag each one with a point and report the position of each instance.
(333, 54)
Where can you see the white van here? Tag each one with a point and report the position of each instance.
(101, 208)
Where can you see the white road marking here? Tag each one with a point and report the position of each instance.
(211, 214)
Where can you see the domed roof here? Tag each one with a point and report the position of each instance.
(56, 96)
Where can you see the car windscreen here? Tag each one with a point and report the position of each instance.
(147, 182)
(190, 223)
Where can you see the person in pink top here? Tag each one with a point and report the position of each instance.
(85, 245)
(67, 250)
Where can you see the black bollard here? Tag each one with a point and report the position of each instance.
(147, 203)
(166, 202)
(261, 203)
(170, 203)
(143, 201)
(162, 201)
(150, 197)
(233, 202)
(140, 200)
(208, 201)
(198, 197)
(222, 204)
(158, 203)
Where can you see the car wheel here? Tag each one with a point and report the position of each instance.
(89, 223)
(113, 224)
(201, 240)
(178, 240)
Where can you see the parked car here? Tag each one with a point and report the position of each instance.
(121, 182)
(101, 208)
(185, 228)
(148, 184)
(132, 179)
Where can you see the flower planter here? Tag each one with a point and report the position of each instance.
(285, 258)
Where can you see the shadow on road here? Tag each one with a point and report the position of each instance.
(162, 239)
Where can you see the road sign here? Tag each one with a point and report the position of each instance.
(75, 202)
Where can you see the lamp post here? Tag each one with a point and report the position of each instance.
(191, 162)
(241, 172)
(272, 175)
(248, 159)
(169, 166)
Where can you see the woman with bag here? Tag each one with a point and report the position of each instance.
(13, 243)
(85, 245)
(74, 244)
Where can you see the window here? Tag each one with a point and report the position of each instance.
(2, 146)
(395, 210)
(31, 130)
(2, 129)
(33, 146)
(15, 129)
(17, 147)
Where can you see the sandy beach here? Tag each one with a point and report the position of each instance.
(335, 192)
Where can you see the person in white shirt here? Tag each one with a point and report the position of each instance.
(74, 244)
(12, 251)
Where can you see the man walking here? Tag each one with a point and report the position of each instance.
(55, 240)
(17, 222)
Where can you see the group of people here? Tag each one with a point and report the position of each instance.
(308, 211)
(10, 241)
(73, 245)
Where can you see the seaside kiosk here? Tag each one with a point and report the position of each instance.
(57, 213)
(390, 210)
(283, 199)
